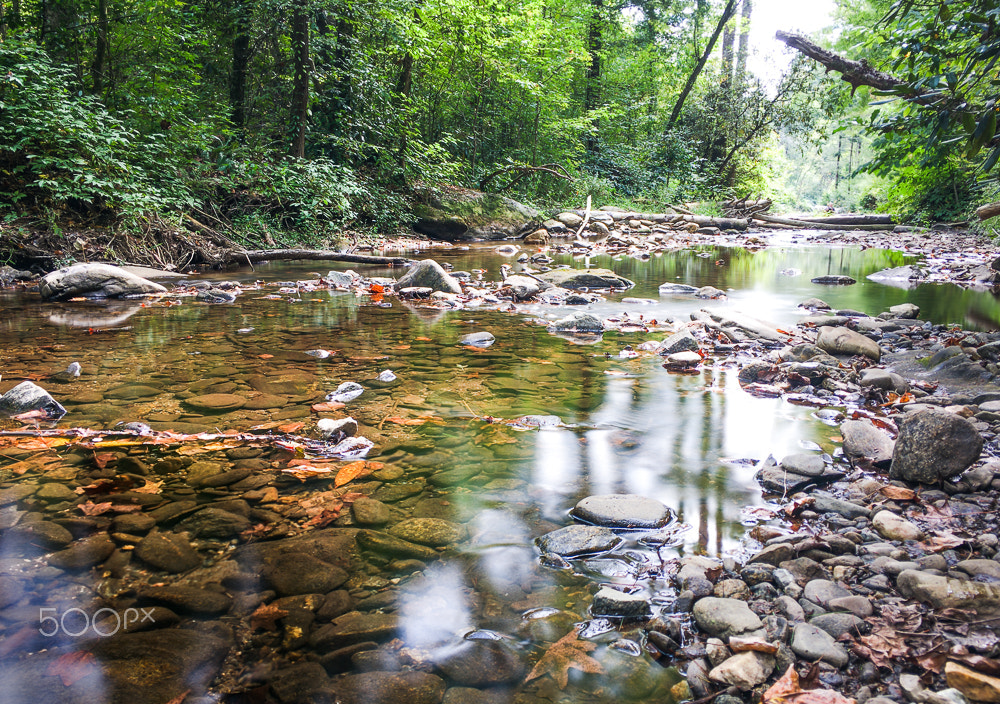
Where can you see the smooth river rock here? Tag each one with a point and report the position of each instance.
(429, 274)
(28, 396)
(94, 281)
(839, 340)
(573, 541)
(622, 511)
(934, 445)
(723, 618)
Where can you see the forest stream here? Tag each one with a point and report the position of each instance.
(210, 552)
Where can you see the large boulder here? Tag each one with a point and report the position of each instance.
(94, 281)
(933, 445)
(577, 279)
(464, 214)
(838, 340)
(27, 397)
(429, 274)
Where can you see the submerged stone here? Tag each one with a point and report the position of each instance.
(573, 541)
(623, 511)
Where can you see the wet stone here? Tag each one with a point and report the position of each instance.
(619, 604)
(723, 618)
(393, 546)
(302, 682)
(622, 511)
(804, 464)
(370, 512)
(301, 573)
(575, 540)
(397, 492)
(16, 493)
(482, 663)
(812, 643)
(188, 599)
(133, 523)
(83, 553)
(216, 403)
(266, 402)
(934, 445)
(11, 591)
(46, 534)
(434, 532)
(226, 478)
(411, 687)
(838, 624)
(167, 551)
(354, 627)
(214, 523)
(823, 591)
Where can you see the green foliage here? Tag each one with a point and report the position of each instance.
(59, 148)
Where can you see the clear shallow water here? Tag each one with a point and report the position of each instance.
(629, 426)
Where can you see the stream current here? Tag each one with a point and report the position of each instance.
(443, 450)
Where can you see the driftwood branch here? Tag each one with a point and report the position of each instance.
(586, 221)
(990, 210)
(857, 73)
(851, 220)
(554, 170)
(771, 219)
(265, 255)
(213, 236)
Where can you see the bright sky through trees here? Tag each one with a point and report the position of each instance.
(769, 55)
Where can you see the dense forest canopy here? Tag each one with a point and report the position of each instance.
(314, 115)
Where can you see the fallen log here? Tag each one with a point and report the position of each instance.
(851, 220)
(586, 220)
(805, 224)
(326, 255)
(721, 223)
(990, 210)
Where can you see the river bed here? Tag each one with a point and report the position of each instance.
(443, 449)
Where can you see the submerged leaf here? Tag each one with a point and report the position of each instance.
(569, 652)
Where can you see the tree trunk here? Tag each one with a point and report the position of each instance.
(266, 255)
(857, 73)
(744, 50)
(101, 49)
(727, 13)
(241, 62)
(728, 39)
(595, 43)
(816, 224)
(990, 210)
(300, 89)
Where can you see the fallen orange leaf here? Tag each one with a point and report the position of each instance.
(327, 406)
(72, 667)
(423, 339)
(265, 356)
(354, 470)
(406, 421)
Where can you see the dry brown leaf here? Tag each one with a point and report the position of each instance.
(101, 459)
(179, 699)
(73, 667)
(944, 540)
(898, 493)
(149, 488)
(788, 690)
(265, 617)
(305, 471)
(818, 696)
(89, 508)
(327, 407)
(786, 685)
(406, 421)
(569, 652)
(355, 470)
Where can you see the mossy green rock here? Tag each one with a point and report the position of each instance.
(464, 214)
